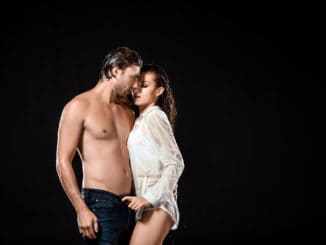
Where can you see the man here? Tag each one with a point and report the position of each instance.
(96, 124)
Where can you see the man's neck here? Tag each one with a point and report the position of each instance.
(105, 90)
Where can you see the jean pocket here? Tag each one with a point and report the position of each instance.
(103, 209)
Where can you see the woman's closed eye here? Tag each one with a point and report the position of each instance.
(144, 84)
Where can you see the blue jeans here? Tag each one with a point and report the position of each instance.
(115, 219)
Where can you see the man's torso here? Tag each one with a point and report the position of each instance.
(103, 146)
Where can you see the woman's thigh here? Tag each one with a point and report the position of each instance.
(152, 228)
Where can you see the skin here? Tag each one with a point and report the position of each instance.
(155, 223)
(93, 125)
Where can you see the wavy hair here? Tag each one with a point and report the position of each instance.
(166, 100)
(122, 57)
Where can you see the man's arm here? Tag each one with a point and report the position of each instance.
(69, 132)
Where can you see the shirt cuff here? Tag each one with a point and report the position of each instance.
(149, 197)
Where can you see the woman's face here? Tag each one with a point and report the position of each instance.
(145, 92)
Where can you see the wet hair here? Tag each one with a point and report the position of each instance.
(166, 100)
(121, 57)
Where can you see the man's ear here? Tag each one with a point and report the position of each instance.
(159, 91)
(114, 71)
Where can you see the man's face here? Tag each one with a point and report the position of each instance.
(125, 79)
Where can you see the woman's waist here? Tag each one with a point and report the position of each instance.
(149, 179)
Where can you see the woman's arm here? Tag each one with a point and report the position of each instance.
(159, 130)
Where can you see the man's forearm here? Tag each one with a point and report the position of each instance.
(69, 183)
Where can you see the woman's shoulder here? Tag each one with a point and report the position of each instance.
(156, 113)
(157, 118)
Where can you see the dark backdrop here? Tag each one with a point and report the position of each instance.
(247, 81)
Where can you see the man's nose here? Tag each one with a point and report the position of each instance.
(135, 89)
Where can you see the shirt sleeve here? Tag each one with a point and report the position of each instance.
(159, 130)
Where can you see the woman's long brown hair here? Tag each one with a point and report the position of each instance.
(166, 100)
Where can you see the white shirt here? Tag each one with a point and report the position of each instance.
(156, 161)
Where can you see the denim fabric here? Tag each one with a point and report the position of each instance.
(115, 219)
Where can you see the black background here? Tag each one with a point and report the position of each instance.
(247, 82)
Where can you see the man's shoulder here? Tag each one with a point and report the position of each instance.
(78, 102)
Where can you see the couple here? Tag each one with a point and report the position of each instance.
(131, 166)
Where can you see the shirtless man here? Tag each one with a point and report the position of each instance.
(96, 124)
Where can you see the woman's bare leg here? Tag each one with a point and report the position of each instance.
(152, 228)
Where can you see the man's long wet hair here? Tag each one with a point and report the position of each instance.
(166, 100)
(121, 57)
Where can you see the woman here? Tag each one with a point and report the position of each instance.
(156, 161)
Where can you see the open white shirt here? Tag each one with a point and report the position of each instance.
(156, 161)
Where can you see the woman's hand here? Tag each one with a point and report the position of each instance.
(136, 203)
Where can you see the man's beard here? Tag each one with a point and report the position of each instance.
(123, 98)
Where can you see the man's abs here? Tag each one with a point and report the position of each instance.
(110, 175)
(106, 166)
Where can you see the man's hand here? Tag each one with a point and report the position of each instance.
(87, 223)
(136, 203)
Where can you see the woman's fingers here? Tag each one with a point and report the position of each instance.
(133, 205)
(126, 198)
(133, 202)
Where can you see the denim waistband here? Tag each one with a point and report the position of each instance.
(89, 192)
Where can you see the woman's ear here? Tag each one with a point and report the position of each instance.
(159, 91)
